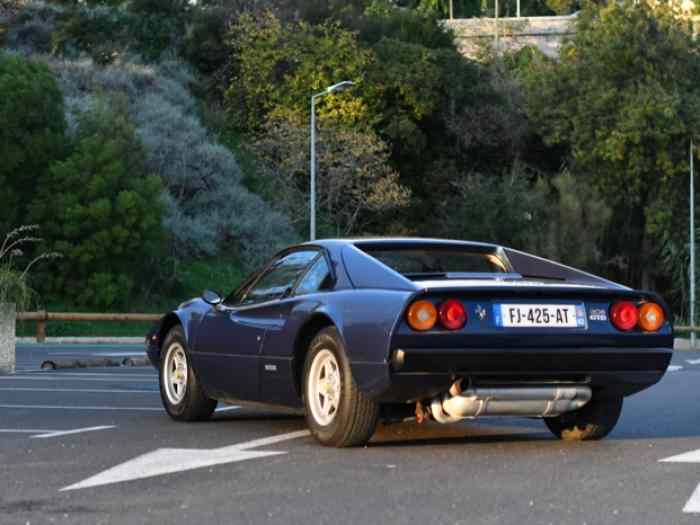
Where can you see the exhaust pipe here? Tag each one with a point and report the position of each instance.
(541, 401)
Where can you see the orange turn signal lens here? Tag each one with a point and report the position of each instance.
(422, 315)
(651, 317)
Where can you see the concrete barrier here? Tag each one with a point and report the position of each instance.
(7, 338)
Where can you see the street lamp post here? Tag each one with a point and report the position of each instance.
(692, 247)
(340, 86)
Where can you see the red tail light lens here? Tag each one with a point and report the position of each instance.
(452, 314)
(624, 315)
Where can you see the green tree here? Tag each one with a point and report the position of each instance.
(101, 210)
(356, 187)
(623, 98)
(276, 67)
(568, 221)
(32, 133)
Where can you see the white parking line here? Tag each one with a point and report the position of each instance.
(693, 504)
(25, 431)
(84, 390)
(114, 379)
(674, 368)
(58, 433)
(130, 373)
(693, 361)
(99, 354)
(62, 407)
(46, 433)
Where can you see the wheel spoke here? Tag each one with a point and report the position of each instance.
(324, 387)
(176, 373)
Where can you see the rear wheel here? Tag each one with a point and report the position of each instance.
(337, 412)
(181, 392)
(595, 420)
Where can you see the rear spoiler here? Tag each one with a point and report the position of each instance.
(529, 265)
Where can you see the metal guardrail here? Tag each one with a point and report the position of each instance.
(686, 329)
(42, 317)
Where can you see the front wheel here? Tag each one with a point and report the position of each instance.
(337, 412)
(181, 392)
(595, 420)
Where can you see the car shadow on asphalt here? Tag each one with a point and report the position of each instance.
(257, 416)
(412, 434)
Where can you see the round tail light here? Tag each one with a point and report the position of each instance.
(452, 314)
(422, 315)
(651, 317)
(624, 315)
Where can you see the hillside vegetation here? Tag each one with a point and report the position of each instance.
(163, 146)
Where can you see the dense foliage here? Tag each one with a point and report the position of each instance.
(623, 100)
(99, 211)
(583, 158)
(31, 132)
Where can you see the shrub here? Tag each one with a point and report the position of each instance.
(100, 32)
(30, 26)
(206, 207)
(32, 133)
(569, 221)
(488, 207)
(105, 32)
(101, 210)
(205, 42)
(14, 281)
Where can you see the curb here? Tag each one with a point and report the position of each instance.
(683, 345)
(58, 364)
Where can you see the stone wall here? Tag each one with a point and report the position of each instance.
(473, 35)
(545, 32)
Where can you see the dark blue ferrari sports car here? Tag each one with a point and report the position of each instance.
(358, 330)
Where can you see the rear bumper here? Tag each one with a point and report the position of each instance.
(426, 372)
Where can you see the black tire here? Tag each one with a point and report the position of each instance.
(355, 419)
(594, 421)
(194, 405)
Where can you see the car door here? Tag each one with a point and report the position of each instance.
(232, 334)
(277, 355)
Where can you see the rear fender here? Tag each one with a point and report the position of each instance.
(367, 319)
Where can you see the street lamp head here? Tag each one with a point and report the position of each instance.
(340, 86)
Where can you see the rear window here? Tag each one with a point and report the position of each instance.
(438, 260)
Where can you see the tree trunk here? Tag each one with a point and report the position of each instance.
(7, 338)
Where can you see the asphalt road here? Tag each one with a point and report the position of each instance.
(489, 472)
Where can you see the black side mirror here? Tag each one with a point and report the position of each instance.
(211, 297)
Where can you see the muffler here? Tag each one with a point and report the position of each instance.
(540, 401)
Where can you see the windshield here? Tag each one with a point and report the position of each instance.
(435, 262)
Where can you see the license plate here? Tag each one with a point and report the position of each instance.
(540, 315)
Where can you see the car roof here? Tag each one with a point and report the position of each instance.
(378, 241)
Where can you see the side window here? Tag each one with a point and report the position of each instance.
(236, 296)
(317, 278)
(279, 278)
